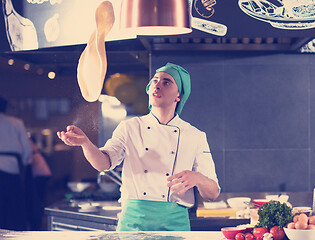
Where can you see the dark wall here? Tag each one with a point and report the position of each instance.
(258, 113)
(66, 164)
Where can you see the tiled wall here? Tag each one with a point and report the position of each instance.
(258, 113)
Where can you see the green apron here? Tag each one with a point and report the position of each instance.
(144, 215)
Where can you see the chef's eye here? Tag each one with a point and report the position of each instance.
(166, 83)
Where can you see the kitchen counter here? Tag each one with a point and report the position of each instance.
(297, 199)
(101, 235)
(68, 215)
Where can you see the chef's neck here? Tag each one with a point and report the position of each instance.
(163, 115)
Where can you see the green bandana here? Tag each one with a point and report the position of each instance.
(182, 79)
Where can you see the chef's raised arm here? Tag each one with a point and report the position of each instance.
(74, 136)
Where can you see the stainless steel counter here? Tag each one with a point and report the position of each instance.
(67, 215)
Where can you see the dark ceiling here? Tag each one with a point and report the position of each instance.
(133, 55)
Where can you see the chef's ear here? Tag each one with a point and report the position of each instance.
(177, 99)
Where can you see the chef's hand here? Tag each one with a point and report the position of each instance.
(184, 180)
(74, 136)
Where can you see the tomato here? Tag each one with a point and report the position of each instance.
(239, 236)
(278, 234)
(249, 236)
(259, 232)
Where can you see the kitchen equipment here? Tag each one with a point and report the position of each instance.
(110, 174)
(250, 204)
(299, 210)
(221, 212)
(280, 197)
(260, 202)
(78, 186)
(230, 232)
(108, 187)
(248, 227)
(163, 17)
(214, 205)
(237, 203)
(297, 234)
(88, 206)
(108, 181)
(254, 217)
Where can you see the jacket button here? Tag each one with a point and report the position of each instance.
(146, 149)
(144, 193)
(163, 196)
(149, 127)
(175, 131)
(167, 174)
(145, 171)
(172, 152)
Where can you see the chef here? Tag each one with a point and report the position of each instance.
(163, 157)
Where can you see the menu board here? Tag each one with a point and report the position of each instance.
(33, 24)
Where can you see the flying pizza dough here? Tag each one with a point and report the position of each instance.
(92, 64)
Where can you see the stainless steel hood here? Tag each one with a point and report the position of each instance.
(133, 55)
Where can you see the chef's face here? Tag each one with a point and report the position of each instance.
(163, 91)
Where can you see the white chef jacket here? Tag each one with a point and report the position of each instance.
(13, 138)
(152, 152)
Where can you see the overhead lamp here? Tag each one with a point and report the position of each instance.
(155, 17)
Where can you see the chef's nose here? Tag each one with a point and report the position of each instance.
(157, 85)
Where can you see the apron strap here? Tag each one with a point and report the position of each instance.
(144, 215)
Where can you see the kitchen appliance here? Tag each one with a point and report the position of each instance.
(108, 181)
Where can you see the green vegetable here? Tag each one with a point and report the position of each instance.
(274, 213)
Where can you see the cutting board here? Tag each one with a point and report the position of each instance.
(220, 212)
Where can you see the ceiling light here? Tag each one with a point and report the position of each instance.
(27, 67)
(11, 62)
(155, 17)
(51, 75)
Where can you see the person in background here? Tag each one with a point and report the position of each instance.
(38, 175)
(163, 157)
(15, 155)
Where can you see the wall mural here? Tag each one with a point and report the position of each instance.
(205, 9)
(20, 31)
(50, 23)
(309, 47)
(33, 24)
(284, 14)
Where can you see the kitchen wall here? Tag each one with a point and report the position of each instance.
(258, 111)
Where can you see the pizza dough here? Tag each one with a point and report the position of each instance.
(92, 64)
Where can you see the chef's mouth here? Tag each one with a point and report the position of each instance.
(156, 95)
